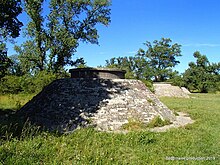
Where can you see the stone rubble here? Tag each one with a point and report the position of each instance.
(168, 90)
(68, 104)
(181, 120)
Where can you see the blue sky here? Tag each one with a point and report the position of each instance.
(192, 23)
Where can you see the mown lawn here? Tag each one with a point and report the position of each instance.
(197, 141)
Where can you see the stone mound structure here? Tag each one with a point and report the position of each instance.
(166, 89)
(107, 104)
(185, 90)
(104, 73)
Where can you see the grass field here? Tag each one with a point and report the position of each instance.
(199, 142)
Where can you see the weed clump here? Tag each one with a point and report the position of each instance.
(158, 122)
(133, 124)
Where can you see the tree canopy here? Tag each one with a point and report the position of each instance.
(55, 37)
(161, 56)
(9, 24)
(9, 28)
(202, 76)
(136, 67)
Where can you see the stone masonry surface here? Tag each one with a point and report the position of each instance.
(68, 104)
(163, 89)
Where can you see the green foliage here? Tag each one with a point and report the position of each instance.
(26, 83)
(14, 101)
(202, 76)
(28, 58)
(55, 37)
(16, 66)
(5, 62)
(154, 64)
(158, 122)
(161, 57)
(9, 28)
(9, 24)
(177, 81)
(133, 125)
(136, 67)
(87, 146)
(123, 63)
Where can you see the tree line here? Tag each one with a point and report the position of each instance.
(52, 40)
(156, 63)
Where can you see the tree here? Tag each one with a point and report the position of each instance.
(9, 24)
(201, 76)
(9, 28)
(71, 22)
(5, 62)
(36, 31)
(161, 56)
(55, 37)
(16, 67)
(123, 63)
(136, 67)
(29, 57)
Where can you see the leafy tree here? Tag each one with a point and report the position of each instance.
(16, 67)
(201, 76)
(9, 24)
(29, 58)
(55, 37)
(5, 62)
(9, 28)
(123, 63)
(136, 67)
(37, 33)
(71, 22)
(161, 56)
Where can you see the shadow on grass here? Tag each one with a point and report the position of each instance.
(13, 126)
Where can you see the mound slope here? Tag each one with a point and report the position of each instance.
(165, 89)
(67, 104)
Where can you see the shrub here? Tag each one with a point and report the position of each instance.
(10, 84)
(26, 83)
(158, 122)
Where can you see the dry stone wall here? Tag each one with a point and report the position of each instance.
(164, 89)
(68, 104)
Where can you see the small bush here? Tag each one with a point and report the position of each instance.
(26, 83)
(158, 122)
(10, 84)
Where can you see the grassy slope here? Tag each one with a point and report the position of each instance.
(87, 146)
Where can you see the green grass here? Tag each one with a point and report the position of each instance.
(14, 102)
(134, 124)
(158, 122)
(87, 146)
